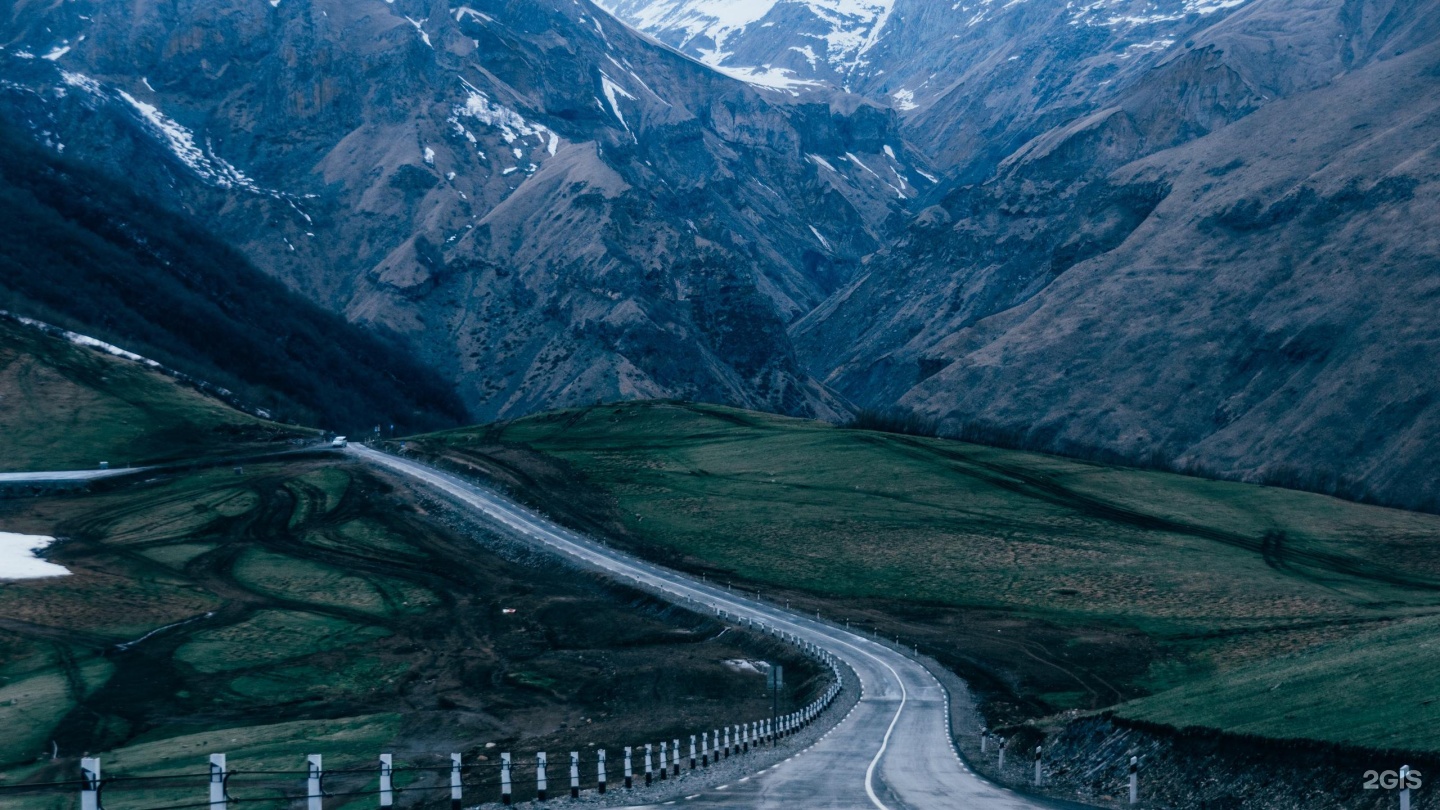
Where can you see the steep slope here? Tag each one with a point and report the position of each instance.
(1254, 302)
(67, 407)
(553, 208)
(82, 250)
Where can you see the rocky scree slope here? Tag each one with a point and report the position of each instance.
(553, 208)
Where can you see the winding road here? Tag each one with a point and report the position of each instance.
(892, 752)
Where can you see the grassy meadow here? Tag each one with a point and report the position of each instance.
(1051, 583)
(313, 606)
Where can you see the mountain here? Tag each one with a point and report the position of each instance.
(1179, 232)
(82, 250)
(1227, 271)
(971, 80)
(553, 208)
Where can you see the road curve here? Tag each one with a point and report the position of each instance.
(893, 752)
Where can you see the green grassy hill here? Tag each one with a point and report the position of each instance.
(64, 406)
(1051, 583)
(314, 606)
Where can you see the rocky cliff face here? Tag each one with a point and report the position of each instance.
(553, 208)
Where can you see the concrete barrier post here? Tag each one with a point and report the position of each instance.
(455, 782)
(629, 769)
(600, 769)
(574, 774)
(217, 782)
(387, 781)
(314, 798)
(675, 756)
(649, 766)
(1037, 765)
(692, 752)
(505, 779)
(1134, 780)
(90, 783)
(664, 760)
(542, 779)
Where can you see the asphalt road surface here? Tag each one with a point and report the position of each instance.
(893, 752)
(65, 476)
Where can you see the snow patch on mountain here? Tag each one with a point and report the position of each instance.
(512, 125)
(703, 27)
(211, 168)
(611, 89)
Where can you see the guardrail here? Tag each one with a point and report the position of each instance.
(505, 779)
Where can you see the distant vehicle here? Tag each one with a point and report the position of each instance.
(338, 441)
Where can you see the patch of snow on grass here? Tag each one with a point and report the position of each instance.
(19, 558)
(87, 341)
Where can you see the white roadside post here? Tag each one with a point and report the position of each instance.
(1002, 756)
(1404, 787)
(649, 766)
(600, 769)
(664, 760)
(705, 748)
(454, 782)
(90, 783)
(1037, 765)
(315, 798)
(675, 758)
(505, 779)
(745, 738)
(574, 774)
(542, 783)
(217, 782)
(727, 742)
(692, 752)
(1134, 780)
(984, 740)
(387, 780)
(629, 770)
